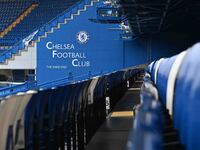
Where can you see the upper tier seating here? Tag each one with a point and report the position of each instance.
(18, 19)
(45, 12)
(10, 10)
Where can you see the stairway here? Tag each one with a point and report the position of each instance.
(170, 135)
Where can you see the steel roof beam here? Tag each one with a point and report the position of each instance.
(164, 14)
(137, 19)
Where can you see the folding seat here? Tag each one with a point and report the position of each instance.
(101, 96)
(186, 99)
(68, 118)
(83, 112)
(8, 55)
(41, 31)
(120, 85)
(52, 103)
(184, 108)
(71, 128)
(144, 139)
(148, 92)
(146, 134)
(149, 99)
(42, 119)
(114, 87)
(90, 110)
(154, 109)
(6, 126)
(19, 126)
(147, 77)
(111, 88)
(153, 71)
(54, 23)
(78, 122)
(150, 67)
(132, 77)
(128, 78)
(81, 103)
(67, 14)
(30, 121)
(8, 108)
(99, 105)
(133, 73)
(45, 116)
(48, 27)
(162, 77)
(62, 109)
(80, 6)
(15, 50)
(61, 18)
(12, 127)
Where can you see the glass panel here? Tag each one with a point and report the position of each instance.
(108, 13)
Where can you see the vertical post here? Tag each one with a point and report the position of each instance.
(149, 49)
(124, 54)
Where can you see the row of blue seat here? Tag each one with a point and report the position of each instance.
(148, 120)
(10, 10)
(62, 118)
(153, 127)
(178, 82)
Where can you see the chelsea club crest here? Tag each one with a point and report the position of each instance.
(82, 37)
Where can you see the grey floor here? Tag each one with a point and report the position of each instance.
(113, 134)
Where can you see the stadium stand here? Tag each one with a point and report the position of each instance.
(10, 10)
(17, 20)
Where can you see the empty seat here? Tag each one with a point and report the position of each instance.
(178, 83)
(12, 127)
(148, 122)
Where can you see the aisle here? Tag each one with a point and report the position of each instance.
(113, 134)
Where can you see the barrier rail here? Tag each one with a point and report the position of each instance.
(13, 89)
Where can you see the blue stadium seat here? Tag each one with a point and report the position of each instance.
(116, 80)
(164, 70)
(147, 130)
(30, 121)
(10, 10)
(184, 88)
(186, 104)
(53, 100)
